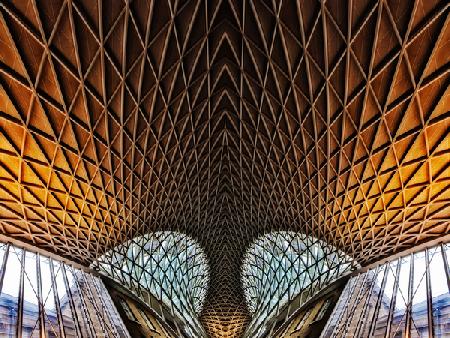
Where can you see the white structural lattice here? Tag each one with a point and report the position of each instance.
(169, 265)
(280, 265)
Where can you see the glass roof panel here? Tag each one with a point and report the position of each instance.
(279, 266)
(169, 265)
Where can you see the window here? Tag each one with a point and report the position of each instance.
(323, 309)
(406, 297)
(302, 321)
(147, 320)
(40, 296)
(126, 308)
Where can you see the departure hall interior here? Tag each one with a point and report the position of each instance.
(224, 168)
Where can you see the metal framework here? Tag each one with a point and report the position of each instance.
(41, 297)
(281, 265)
(408, 297)
(169, 265)
(224, 120)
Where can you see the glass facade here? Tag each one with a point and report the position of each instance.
(281, 265)
(169, 265)
(407, 297)
(42, 297)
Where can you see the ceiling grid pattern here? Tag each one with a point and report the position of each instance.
(224, 119)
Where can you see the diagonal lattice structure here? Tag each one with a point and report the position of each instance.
(170, 266)
(224, 120)
(279, 266)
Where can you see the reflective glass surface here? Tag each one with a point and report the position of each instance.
(279, 266)
(408, 297)
(41, 297)
(169, 265)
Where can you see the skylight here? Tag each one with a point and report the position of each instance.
(169, 265)
(279, 266)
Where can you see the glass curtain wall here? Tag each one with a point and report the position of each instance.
(169, 265)
(408, 297)
(42, 297)
(281, 265)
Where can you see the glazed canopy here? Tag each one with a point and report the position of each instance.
(224, 120)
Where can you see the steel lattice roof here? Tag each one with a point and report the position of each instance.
(224, 120)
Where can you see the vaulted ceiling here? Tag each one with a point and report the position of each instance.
(224, 119)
